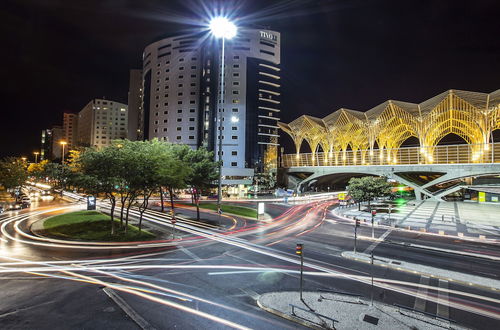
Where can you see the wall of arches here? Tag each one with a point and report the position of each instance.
(471, 115)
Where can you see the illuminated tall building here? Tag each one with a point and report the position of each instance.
(100, 122)
(181, 84)
(70, 122)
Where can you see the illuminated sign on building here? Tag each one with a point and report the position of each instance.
(268, 36)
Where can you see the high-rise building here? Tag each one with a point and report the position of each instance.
(100, 122)
(181, 98)
(57, 137)
(134, 103)
(46, 144)
(70, 122)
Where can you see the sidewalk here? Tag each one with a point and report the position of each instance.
(343, 311)
(443, 218)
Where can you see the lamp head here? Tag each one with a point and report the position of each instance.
(221, 27)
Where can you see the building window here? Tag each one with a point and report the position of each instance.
(191, 137)
(193, 67)
(235, 109)
(179, 120)
(234, 137)
(181, 59)
(179, 102)
(236, 57)
(165, 129)
(234, 128)
(179, 94)
(165, 112)
(165, 120)
(191, 128)
(234, 153)
(236, 92)
(191, 119)
(178, 137)
(236, 74)
(236, 66)
(236, 83)
(192, 102)
(181, 68)
(181, 76)
(236, 101)
(179, 128)
(180, 85)
(192, 110)
(234, 163)
(179, 111)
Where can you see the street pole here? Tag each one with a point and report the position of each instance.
(301, 276)
(63, 144)
(299, 249)
(373, 230)
(371, 257)
(390, 221)
(355, 235)
(219, 128)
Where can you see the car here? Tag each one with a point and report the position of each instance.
(16, 206)
(26, 200)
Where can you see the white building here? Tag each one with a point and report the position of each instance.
(70, 124)
(181, 84)
(102, 121)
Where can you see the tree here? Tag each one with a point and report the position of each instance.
(204, 171)
(13, 173)
(368, 187)
(175, 170)
(37, 170)
(102, 170)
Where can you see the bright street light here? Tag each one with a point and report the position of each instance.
(36, 153)
(222, 28)
(63, 143)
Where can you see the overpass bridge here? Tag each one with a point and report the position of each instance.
(411, 166)
(370, 142)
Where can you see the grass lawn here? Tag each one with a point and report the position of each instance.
(236, 210)
(92, 226)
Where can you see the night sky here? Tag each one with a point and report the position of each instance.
(59, 54)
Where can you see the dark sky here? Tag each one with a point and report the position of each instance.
(59, 54)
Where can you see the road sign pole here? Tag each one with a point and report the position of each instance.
(355, 236)
(299, 251)
(371, 294)
(301, 276)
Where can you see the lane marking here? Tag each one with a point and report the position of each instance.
(421, 299)
(378, 241)
(443, 308)
(189, 253)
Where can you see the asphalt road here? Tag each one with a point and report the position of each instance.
(213, 275)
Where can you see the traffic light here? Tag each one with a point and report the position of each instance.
(298, 249)
(358, 223)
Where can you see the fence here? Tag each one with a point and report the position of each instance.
(442, 154)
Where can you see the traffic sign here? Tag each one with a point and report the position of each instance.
(342, 196)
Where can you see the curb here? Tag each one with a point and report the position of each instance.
(461, 237)
(288, 317)
(399, 268)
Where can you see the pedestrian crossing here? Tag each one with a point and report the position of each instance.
(423, 297)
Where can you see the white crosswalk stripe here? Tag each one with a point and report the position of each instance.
(421, 299)
(443, 309)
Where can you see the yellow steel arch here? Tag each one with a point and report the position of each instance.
(471, 115)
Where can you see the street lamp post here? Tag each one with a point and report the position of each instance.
(63, 143)
(221, 27)
(36, 153)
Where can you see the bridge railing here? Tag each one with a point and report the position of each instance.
(441, 154)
